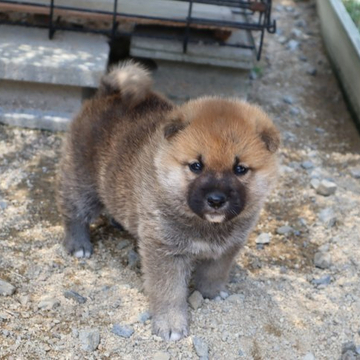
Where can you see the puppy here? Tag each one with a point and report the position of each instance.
(188, 182)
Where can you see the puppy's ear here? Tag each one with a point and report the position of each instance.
(271, 137)
(174, 126)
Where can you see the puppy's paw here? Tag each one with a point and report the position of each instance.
(170, 327)
(210, 290)
(80, 248)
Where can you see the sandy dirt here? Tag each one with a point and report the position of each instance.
(281, 306)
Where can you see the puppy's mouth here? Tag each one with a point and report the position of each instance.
(215, 218)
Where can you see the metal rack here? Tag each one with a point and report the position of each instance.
(257, 15)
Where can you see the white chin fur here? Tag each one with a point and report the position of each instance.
(215, 218)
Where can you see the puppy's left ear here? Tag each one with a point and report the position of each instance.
(176, 124)
(271, 137)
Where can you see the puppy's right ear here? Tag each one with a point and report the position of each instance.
(174, 126)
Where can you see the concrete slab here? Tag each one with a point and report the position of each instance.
(199, 52)
(182, 81)
(41, 106)
(76, 59)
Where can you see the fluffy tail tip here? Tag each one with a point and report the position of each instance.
(129, 79)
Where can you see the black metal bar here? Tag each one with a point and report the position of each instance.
(114, 23)
(187, 29)
(245, 7)
(51, 15)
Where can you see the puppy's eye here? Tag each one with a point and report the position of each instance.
(240, 170)
(196, 167)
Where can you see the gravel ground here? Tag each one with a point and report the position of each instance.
(294, 292)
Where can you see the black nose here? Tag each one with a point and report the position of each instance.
(216, 199)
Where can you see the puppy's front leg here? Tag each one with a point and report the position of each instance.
(166, 283)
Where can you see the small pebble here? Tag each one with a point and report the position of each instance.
(201, 347)
(90, 339)
(123, 331)
(302, 57)
(133, 259)
(296, 34)
(307, 165)
(325, 188)
(236, 298)
(322, 260)
(300, 23)
(355, 173)
(196, 300)
(48, 304)
(263, 238)
(328, 217)
(294, 111)
(145, 316)
(348, 346)
(288, 100)
(325, 280)
(3, 205)
(73, 295)
(123, 244)
(161, 355)
(224, 295)
(284, 230)
(311, 71)
(309, 356)
(241, 353)
(292, 45)
(6, 289)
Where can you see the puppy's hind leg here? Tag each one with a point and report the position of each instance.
(79, 205)
(212, 275)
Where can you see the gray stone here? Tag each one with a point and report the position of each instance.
(133, 259)
(300, 23)
(161, 355)
(322, 260)
(253, 75)
(349, 355)
(201, 347)
(6, 289)
(3, 204)
(123, 331)
(73, 295)
(348, 346)
(358, 350)
(241, 353)
(284, 230)
(48, 303)
(309, 356)
(282, 39)
(90, 339)
(294, 111)
(224, 295)
(292, 45)
(236, 298)
(311, 71)
(288, 100)
(326, 188)
(325, 280)
(328, 217)
(123, 244)
(319, 130)
(196, 300)
(355, 172)
(296, 34)
(263, 238)
(145, 316)
(307, 165)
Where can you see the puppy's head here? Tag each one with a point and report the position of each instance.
(217, 160)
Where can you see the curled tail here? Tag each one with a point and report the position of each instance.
(130, 79)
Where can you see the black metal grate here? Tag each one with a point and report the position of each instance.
(257, 15)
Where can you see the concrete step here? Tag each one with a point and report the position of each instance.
(42, 81)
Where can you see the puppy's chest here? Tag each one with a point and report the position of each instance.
(202, 246)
